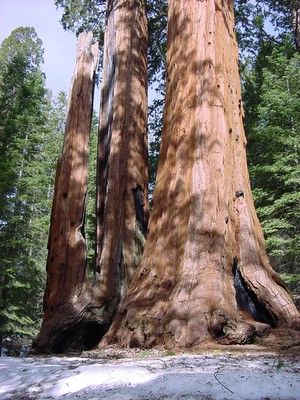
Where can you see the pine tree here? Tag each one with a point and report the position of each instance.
(22, 123)
(274, 158)
(32, 129)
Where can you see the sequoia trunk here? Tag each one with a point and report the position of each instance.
(78, 311)
(204, 272)
(122, 180)
(67, 292)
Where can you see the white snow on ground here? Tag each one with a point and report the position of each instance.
(205, 377)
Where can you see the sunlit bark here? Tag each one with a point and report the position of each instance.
(122, 170)
(67, 291)
(204, 272)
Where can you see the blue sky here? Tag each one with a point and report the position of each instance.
(59, 45)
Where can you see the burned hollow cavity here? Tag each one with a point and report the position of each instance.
(246, 298)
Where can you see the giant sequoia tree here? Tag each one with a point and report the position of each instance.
(78, 311)
(66, 294)
(122, 167)
(204, 272)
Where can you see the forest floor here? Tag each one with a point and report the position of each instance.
(268, 371)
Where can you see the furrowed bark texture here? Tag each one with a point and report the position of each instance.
(204, 272)
(122, 180)
(67, 292)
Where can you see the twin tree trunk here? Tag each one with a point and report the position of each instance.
(78, 311)
(204, 272)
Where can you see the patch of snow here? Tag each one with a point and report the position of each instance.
(206, 377)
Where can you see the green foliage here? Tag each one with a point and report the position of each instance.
(157, 13)
(264, 21)
(28, 144)
(249, 21)
(280, 14)
(274, 156)
(24, 47)
(279, 365)
(292, 280)
(83, 16)
(170, 353)
(90, 217)
(89, 15)
(155, 122)
(21, 90)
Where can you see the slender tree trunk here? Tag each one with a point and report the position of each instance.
(295, 9)
(122, 167)
(67, 291)
(204, 272)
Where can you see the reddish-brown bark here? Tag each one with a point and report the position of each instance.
(77, 311)
(122, 180)
(204, 272)
(67, 292)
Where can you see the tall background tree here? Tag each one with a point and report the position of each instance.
(271, 140)
(29, 136)
(274, 159)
